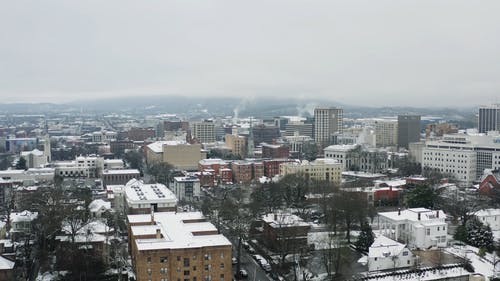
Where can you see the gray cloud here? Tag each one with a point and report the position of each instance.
(364, 52)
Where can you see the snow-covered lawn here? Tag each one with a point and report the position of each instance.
(322, 240)
(483, 266)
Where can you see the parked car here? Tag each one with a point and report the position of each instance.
(266, 267)
(245, 244)
(234, 260)
(242, 273)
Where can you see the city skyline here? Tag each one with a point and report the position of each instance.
(389, 53)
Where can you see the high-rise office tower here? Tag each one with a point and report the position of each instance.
(489, 118)
(204, 131)
(327, 121)
(408, 129)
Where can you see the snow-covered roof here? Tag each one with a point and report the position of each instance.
(157, 147)
(186, 179)
(487, 213)
(340, 147)
(178, 230)
(121, 172)
(426, 215)
(384, 247)
(212, 161)
(23, 216)
(283, 219)
(83, 238)
(137, 190)
(35, 152)
(99, 204)
(6, 264)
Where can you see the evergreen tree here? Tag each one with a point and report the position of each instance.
(479, 235)
(366, 238)
(21, 164)
(422, 196)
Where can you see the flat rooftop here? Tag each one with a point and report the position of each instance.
(178, 230)
(137, 190)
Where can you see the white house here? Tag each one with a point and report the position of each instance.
(490, 217)
(417, 228)
(98, 207)
(386, 253)
(21, 223)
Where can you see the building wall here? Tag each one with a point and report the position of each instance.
(489, 118)
(187, 189)
(314, 171)
(204, 132)
(119, 178)
(386, 133)
(392, 262)
(408, 130)
(182, 156)
(208, 263)
(327, 122)
(460, 163)
(237, 144)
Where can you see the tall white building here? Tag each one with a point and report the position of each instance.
(327, 121)
(386, 133)
(463, 156)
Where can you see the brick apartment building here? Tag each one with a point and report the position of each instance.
(178, 246)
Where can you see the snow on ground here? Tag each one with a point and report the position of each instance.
(51, 276)
(483, 266)
(322, 240)
(423, 275)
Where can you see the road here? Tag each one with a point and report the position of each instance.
(255, 272)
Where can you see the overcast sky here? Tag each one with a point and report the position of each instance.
(372, 52)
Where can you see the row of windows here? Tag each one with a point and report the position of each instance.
(207, 278)
(186, 260)
(164, 270)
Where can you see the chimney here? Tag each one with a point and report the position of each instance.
(437, 214)
(418, 215)
(152, 217)
(399, 211)
(158, 233)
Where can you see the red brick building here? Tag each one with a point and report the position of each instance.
(272, 167)
(140, 134)
(275, 151)
(489, 181)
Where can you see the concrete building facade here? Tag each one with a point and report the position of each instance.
(327, 121)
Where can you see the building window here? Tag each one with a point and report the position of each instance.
(221, 255)
(186, 262)
(405, 253)
(428, 231)
(149, 259)
(178, 258)
(186, 272)
(163, 270)
(222, 266)
(222, 277)
(208, 257)
(163, 259)
(150, 271)
(207, 267)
